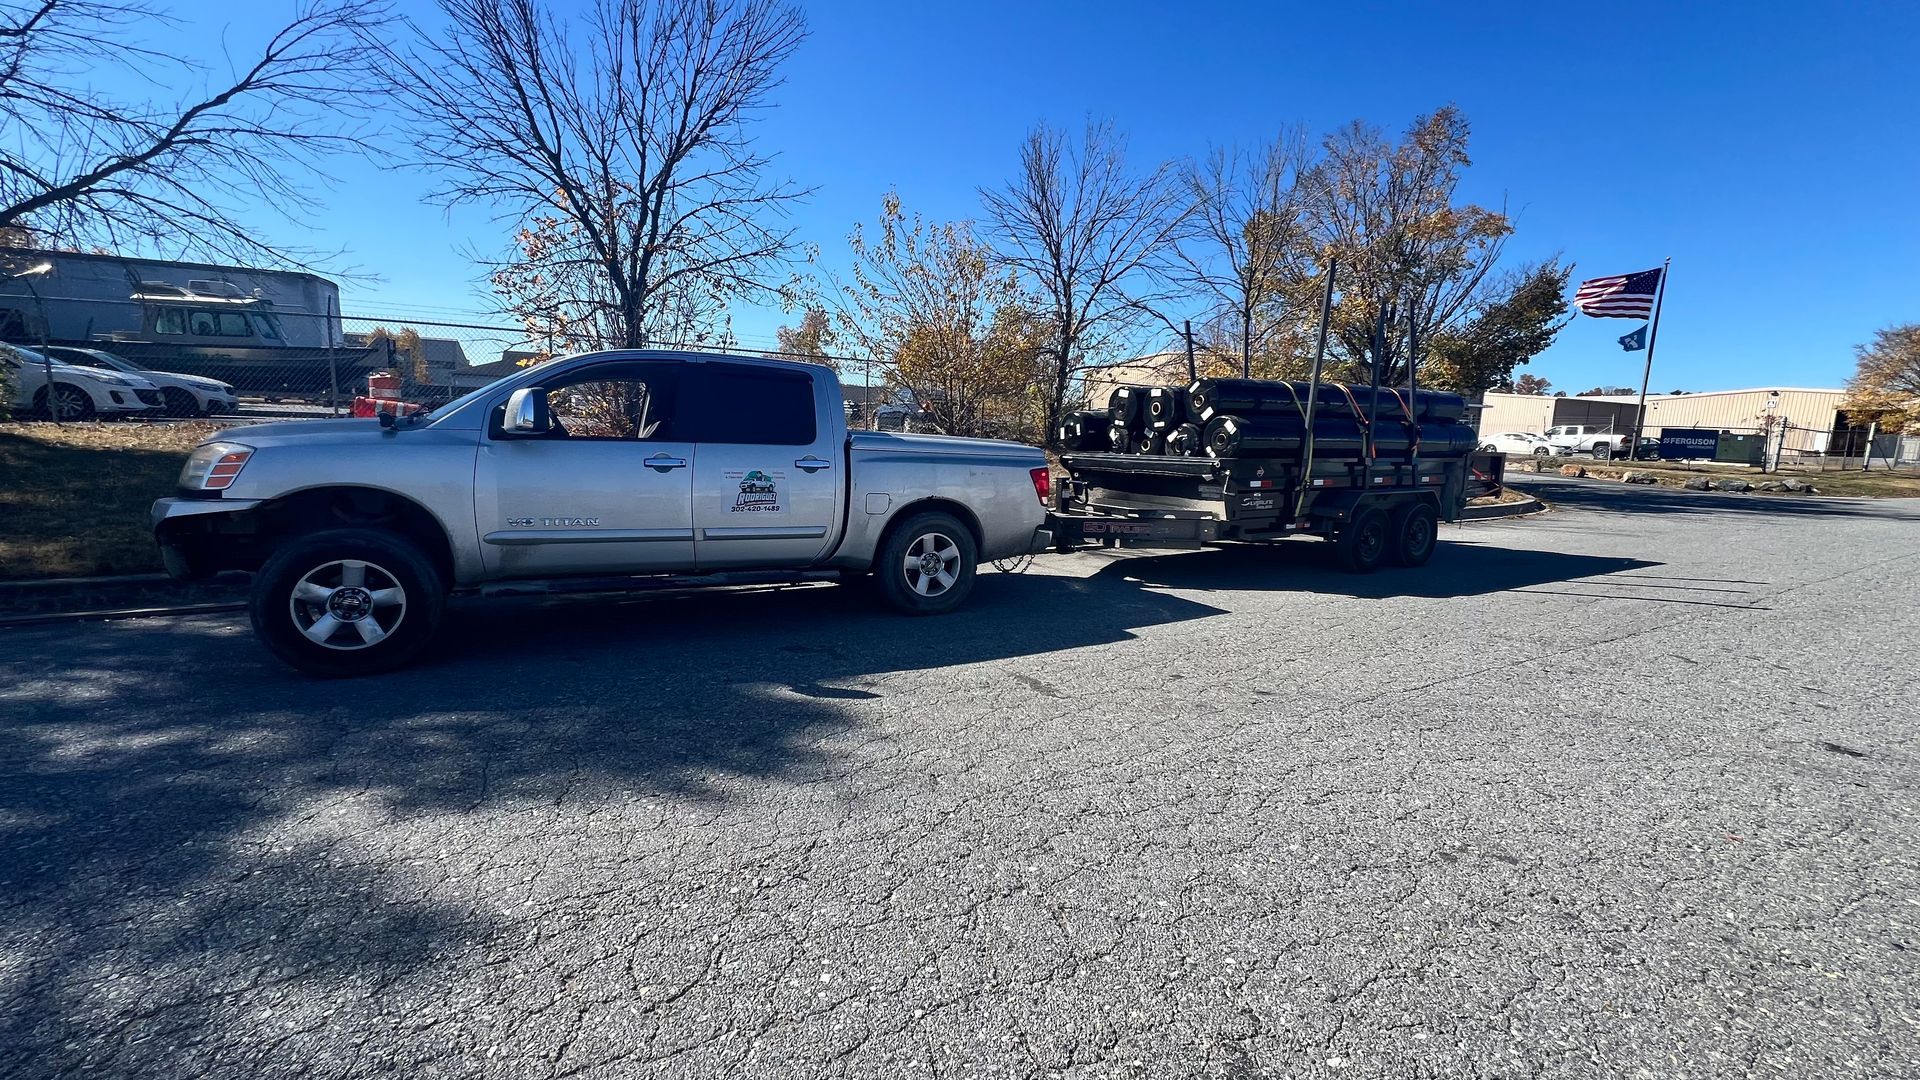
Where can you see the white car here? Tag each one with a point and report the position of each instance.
(1517, 442)
(79, 393)
(185, 395)
(1599, 440)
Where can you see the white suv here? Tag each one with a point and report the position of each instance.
(79, 393)
(1600, 440)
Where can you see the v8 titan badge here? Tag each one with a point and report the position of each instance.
(759, 491)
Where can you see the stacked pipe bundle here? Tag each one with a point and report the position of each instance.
(1085, 431)
(1267, 417)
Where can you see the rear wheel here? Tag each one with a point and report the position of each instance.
(347, 602)
(1602, 452)
(179, 402)
(1415, 532)
(1542, 451)
(926, 566)
(1362, 544)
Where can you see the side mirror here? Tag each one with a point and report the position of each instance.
(526, 412)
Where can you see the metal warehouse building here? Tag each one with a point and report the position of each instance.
(1721, 410)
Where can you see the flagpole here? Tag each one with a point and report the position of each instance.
(1653, 336)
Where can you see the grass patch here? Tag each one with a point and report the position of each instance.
(1856, 484)
(74, 497)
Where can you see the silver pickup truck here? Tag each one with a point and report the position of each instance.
(600, 471)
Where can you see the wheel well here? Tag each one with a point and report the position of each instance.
(357, 507)
(945, 506)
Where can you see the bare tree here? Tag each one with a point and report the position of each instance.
(1248, 239)
(1087, 232)
(1386, 210)
(81, 168)
(620, 143)
(953, 329)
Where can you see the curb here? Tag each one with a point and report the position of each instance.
(1531, 505)
(108, 581)
(113, 614)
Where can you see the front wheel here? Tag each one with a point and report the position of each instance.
(347, 602)
(1362, 545)
(926, 566)
(69, 403)
(179, 402)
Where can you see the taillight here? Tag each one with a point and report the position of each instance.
(1042, 484)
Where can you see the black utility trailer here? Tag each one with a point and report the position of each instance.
(1375, 512)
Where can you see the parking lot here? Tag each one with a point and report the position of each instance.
(1627, 789)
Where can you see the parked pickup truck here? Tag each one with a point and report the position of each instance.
(595, 472)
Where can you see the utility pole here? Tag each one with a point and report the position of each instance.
(1193, 373)
(1313, 390)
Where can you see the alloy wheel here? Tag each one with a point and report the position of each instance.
(932, 564)
(347, 604)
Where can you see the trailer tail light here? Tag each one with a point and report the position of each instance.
(1042, 484)
(215, 466)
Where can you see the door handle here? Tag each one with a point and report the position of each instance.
(661, 463)
(812, 464)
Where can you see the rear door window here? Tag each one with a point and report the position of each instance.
(735, 403)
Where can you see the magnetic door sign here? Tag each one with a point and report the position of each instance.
(1683, 443)
(759, 491)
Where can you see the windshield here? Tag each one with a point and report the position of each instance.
(471, 396)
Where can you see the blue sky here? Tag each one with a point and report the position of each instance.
(1768, 149)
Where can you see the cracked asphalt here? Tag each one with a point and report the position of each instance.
(1624, 790)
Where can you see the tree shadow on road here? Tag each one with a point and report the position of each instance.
(183, 821)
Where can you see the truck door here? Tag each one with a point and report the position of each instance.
(766, 483)
(607, 489)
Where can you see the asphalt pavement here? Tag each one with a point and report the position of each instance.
(1623, 790)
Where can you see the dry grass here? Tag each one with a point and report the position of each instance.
(74, 497)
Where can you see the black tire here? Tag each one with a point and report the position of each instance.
(179, 402)
(1415, 532)
(926, 538)
(1362, 544)
(1489, 449)
(1543, 451)
(286, 623)
(1602, 452)
(73, 402)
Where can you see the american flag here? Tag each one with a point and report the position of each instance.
(1626, 296)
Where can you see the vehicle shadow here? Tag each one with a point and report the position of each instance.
(1301, 566)
(181, 818)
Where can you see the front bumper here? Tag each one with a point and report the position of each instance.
(184, 527)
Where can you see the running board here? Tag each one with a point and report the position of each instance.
(564, 586)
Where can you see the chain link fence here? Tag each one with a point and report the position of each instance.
(288, 364)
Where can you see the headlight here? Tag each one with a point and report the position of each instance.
(214, 466)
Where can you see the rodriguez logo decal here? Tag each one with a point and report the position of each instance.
(759, 492)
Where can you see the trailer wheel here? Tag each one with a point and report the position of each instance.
(347, 602)
(1415, 531)
(1363, 543)
(926, 567)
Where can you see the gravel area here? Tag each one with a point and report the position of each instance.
(1623, 790)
